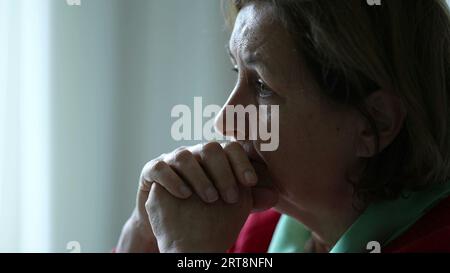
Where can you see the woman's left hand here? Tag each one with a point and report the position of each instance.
(191, 225)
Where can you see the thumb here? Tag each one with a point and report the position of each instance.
(264, 194)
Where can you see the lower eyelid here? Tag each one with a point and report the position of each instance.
(265, 96)
(261, 94)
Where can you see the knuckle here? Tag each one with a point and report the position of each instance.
(149, 205)
(210, 150)
(233, 147)
(157, 166)
(183, 156)
(155, 195)
(150, 164)
(144, 170)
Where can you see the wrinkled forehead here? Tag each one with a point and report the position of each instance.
(254, 28)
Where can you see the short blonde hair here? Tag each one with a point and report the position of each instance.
(353, 48)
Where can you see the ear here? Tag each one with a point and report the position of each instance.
(388, 112)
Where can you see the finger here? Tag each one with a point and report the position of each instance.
(158, 171)
(264, 179)
(184, 163)
(215, 162)
(240, 164)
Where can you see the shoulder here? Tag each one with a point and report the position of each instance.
(430, 234)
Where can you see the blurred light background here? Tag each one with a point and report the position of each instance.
(85, 99)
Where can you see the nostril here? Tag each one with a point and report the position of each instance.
(219, 124)
(224, 123)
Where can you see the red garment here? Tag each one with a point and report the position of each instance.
(431, 233)
(256, 234)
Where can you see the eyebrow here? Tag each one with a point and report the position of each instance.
(227, 48)
(250, 59)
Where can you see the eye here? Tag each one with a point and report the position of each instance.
(263, 90)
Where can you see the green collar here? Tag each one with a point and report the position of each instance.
(381, 222)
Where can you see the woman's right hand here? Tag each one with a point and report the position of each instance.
(211, 171)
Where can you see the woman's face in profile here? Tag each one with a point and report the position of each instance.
(317, 139)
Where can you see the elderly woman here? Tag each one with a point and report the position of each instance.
(364, 147)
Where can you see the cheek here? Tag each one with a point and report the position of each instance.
(291, 163)
(313, 153)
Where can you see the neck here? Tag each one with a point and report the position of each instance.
(332, 224)
(329, 222)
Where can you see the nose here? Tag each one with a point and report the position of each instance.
(230, 122)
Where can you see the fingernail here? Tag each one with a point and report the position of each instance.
(250, 178)
(232, 195)
(185, 191)
(211, 195)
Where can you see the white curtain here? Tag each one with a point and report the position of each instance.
(85, 99)
(24, 126)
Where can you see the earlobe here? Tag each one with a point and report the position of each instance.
(367, 141)
(383, 120)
